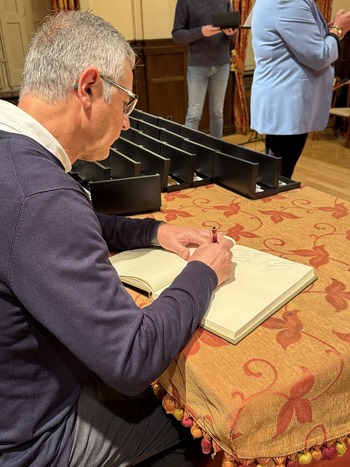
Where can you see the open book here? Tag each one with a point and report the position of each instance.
(260, 285)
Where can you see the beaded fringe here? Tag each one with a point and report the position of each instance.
(327, 451)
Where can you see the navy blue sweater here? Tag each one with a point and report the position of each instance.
(190, 16)
(63, 310)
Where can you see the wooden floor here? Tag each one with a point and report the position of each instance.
(324, 163)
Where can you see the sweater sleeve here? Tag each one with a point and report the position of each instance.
(122, 233)
(182, 32)
(60, 272)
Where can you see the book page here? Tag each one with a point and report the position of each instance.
(260, 285)
(149, 269)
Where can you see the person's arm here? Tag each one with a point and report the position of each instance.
(182, 33)
(122, 233)
(341, 24)
(61, 273)
(304, 37)
(177, 239)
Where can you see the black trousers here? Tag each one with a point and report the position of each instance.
(288, 147)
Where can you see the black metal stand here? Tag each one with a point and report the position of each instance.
(253, 138)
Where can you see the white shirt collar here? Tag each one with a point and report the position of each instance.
(15, 120)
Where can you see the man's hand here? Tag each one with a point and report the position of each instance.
(217, 256)
(230, 31)
(342, 21)
(210, 30)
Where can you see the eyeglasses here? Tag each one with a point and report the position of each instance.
(128, 107)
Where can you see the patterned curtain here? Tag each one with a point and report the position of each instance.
(238, 54)
(325, 7)
(64, 5)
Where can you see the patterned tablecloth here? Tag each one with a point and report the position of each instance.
(283, 393)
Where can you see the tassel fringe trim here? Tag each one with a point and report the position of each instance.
(327, 451)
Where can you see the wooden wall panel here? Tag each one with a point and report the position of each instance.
(166, 84)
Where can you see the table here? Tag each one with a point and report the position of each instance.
(283, 393)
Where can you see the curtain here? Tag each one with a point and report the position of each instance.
(238, 54)
(64, 5)
(325, 7)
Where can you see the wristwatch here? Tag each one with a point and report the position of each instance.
(336, 30)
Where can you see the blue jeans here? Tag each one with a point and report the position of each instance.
(199, 80)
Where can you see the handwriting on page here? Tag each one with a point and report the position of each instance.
(265, 263)
(275, 264)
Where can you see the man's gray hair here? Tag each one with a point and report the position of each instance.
(67, 43)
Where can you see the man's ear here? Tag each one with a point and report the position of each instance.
(88, 82)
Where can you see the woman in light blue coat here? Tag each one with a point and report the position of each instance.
(294, 51)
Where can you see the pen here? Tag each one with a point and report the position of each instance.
(214, 234)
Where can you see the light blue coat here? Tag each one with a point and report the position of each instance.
(293, 78)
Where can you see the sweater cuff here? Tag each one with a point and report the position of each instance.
(337, 38)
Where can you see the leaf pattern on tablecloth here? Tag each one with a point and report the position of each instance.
(318, 254)
(173, 196)
(343, 336)
(338, 211)
(204, 337)
(290, 327)
(173, 214)
(239, 231)
(297, 403)
(337, 295)
(279, 216)
(230, 210)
